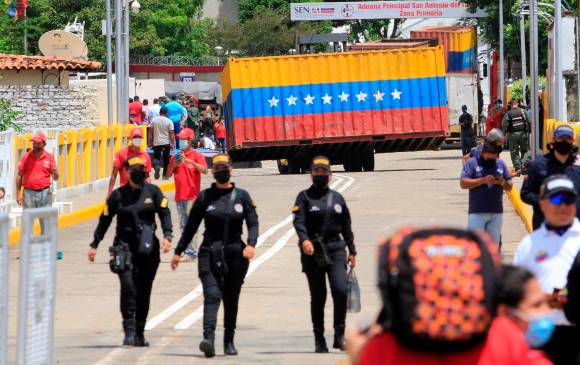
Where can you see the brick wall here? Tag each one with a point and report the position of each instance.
(47, 106)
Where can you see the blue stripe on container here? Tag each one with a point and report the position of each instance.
(415, 93)
(461, 61)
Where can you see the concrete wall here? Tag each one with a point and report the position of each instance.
(66, 107)
(34, 77)
(221, 9)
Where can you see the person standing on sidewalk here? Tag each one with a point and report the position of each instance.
(561, 159)
(35, 170)
(220, 134)
(132, 150)
(549, 253)
(177, 113)
(516, 126)
(467, 132)
(187, 165)
(161, 137)
(486, 178)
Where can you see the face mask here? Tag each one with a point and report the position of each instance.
(137, 141)
(320, 181)
(487, 163)
(138, 176)
(499, 149)
(222, 177)
(540, 328)
(498, 105)
(183, 143)
(563, 147)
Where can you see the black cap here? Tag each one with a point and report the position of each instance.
(557, 184)
(321, 161)
(221, 159)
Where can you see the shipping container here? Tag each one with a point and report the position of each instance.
(459, 45)
(461, 90)
(345, 105)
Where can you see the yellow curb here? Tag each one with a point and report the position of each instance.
(521, 208)
(75, 217)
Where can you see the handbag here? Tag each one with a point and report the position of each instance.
(321, 256)
(353, 304)
(120, 258)
(217, 248)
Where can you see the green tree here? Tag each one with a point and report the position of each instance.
(8, 116)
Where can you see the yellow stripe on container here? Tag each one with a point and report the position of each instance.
(332, 68)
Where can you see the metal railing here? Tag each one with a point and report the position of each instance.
(178, 60)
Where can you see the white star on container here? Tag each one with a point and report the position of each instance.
(379, 96)
(343, 96)
(273, 102)
(396, 95)
(292, 100)
(361, 96)
(309, 99)
(327, 99)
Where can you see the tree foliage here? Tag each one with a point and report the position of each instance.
(8, 116)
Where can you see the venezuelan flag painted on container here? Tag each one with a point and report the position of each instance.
(459, 44)
(324, 96)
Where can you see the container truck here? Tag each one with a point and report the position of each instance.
(347, 106)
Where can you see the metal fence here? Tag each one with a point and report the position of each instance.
(37, 288)
(179, 60)
(4, 226)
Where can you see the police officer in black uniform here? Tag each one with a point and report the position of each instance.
(223, 256)
(135, 205)
(322, 222)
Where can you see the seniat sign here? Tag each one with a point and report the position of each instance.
(382, 10)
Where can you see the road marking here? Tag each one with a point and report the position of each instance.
(198, 290)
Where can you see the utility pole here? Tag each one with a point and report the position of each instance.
(523, 49)
(501, 55)
(118, 58)
(534, 78)
(109, 63)
(558, 95)
(126, 59)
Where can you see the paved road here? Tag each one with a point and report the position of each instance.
(274, 326)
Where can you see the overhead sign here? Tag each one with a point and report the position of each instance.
(187, 76)
(382, 10)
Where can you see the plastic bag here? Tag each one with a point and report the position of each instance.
(353, 304)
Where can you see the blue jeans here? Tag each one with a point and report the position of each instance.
(176, 129)
(183, 210)
(488, 222)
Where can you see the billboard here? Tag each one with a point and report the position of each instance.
(382, 10)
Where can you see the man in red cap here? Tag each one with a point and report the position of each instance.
(187, 165)
(35, 169)
(132, 150)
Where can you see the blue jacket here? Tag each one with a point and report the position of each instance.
(538, 170)
(175, 111)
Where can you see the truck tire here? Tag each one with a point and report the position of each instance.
(368, 161)
(282, 169)
(294, 167)
(353, 163)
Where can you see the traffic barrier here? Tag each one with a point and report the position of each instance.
(4, 225)
(521, 208)
(38, 255)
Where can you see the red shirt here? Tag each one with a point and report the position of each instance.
(220, 131)
(187, 177)
(36, 171)
(136, 110)
(505, 345)
(123, 155)
(493, 121)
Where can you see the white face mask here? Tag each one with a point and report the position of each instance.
(137, 142)
(184, 143)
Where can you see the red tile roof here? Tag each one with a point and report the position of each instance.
(20, 62)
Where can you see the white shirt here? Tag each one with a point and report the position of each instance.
(161, 128)
(549, 257)
(207, 143)
(154, 111)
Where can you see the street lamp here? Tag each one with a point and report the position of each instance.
(135, 7)
(292, 51)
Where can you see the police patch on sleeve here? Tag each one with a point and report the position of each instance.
(253, 203)
(338, 208)
(295, 209)
(238, 208)
(163, 203)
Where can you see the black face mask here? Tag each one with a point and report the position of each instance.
(222, 177)
(138, 176)
(320, 181)
(499, 149)
(563, 147)
(487, 163)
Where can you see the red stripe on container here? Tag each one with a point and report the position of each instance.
(339, 125)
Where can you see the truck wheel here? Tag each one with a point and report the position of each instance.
(353, 163)
(368, 161)
(294, 167)
(283, 169)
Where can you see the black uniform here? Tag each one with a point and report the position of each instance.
(309, 212)
(136, 284)
(540, 169)
(212, 205)
(467, 132)
(572, 306)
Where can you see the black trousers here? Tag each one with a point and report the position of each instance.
(136, 287)
(563, 346)
(160, 152)
(337, 276)
(217, 287)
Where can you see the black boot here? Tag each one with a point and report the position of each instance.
(129, 328)
(207, 344)
(229, 347)
(320, 342)
(339, 342)
(140, 340)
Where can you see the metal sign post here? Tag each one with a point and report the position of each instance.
(534, 79)
(4, 226)
(37, 288)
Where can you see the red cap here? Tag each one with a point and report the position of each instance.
(136, 132)
(38, 137)
(195, 101)
(186, 133)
